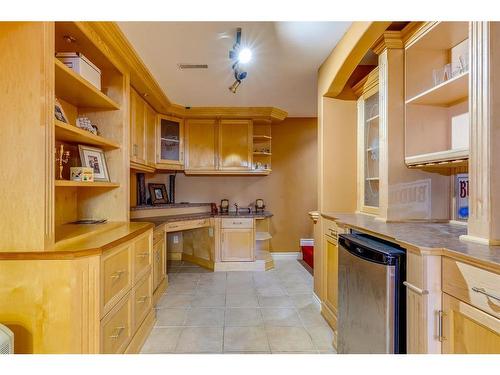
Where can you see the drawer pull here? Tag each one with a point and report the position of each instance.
(415, 289)
(482, 291)
(118, 331)
(441, 314)
(237, 222)
(143, 255)
(142, 299)
(117, 274)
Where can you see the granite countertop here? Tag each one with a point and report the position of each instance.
(159, 220)
(428, 237)
(170, 205)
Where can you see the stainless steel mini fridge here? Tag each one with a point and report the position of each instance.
(371, 304)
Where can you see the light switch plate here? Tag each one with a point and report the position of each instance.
(210, 232)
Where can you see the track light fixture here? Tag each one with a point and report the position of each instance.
(238, 55)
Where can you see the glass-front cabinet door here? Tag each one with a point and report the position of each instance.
(369, 155)
(170, 140)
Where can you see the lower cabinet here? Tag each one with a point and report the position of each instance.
(330, 272)
(159, 263)
(468, 330)
(237, 240)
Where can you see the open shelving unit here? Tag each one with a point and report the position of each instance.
(105, 107)
(262, 151)
(436, 101)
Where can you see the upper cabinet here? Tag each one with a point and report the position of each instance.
(170, 143)
(436, 97)
(142, 133)
(368, 145)
(201, 146)
(235, 145)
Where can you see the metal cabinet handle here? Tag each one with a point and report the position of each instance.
(143, 255)
(135, 149)
(118, 331)
(117, 274)
(415, 289)
(441, 314)
(142, 299)
(482, 291)
(237, 222)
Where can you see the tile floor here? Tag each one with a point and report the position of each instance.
(239, 312)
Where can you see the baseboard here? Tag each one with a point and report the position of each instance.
(316, 300)
(286, 255)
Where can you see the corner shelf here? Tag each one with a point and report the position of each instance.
(71, 133)
(76, 90)
(95, 184)
(262, 236)
(262, 137)
(445, 94)
(440, 157)
(263, 153)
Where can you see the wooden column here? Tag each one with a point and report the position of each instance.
(484, 111)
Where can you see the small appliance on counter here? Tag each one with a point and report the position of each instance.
(259, 205)
(213, 209)
(224, 206)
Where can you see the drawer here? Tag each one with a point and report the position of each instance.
(237, 223)
(142, 294)
(187, 224)
(142, 255)
(158, 234)
(330, 229)
(116, 276)
(116, 327)
(475, 286)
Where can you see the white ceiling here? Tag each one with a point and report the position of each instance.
(282, 72)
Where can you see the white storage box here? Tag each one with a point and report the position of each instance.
(82, 66)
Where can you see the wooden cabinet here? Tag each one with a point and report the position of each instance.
(201, 145)
(137, 128)
(330, 272)
(170, 143)
(159, 263)
(235, 144)
(150, 124)
(237, 240)
(468, 330)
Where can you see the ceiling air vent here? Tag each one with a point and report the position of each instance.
(192, 66)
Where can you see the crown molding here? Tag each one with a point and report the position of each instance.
(389, 39)
(271, 113)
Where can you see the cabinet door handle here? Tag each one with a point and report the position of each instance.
(142, 299)
(118, 331)
(143, 255)
(482, 291)
(441, 314)
(237, 222)
(117, 274)
(415, 289)
(134, 149)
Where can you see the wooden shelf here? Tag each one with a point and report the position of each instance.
(375, 179)
(76, 90)
(376, 117)
(440, 157)
(71, 133)
(447, 93)
(262, 137)
(262, 236)
(263, 153)
(96, 184)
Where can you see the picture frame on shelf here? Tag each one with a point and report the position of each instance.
(93, 157)
(59, 112)
(158, 193)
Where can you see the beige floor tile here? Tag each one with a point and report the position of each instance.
(322, 337)
(245, 339)
(298, 288)
(209, 300)
(311, 317)
(270, 290)
(289, 339)
(241, 300)
(275, 301)
(239, 276)
(213, 276)
(218, 288)
(170, 317)
(302, 300)
(162, 340)
(175, 300)
(280, 317)
(240, 287)
(200, 340)
(205, 317)
(243, 317)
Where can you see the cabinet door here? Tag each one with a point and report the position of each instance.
(159, 264)
(137, 128)
(467, 330)
(331, 287)
(170, 141)
(201, 145)
(235, 144)
(150, 135)
(237, 245)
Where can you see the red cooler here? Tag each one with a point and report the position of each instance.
(307, 247)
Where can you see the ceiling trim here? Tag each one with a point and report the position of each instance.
(271, 113)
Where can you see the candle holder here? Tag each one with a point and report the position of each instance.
(62, 157)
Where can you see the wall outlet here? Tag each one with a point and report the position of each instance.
(175, 239)
(210, 232)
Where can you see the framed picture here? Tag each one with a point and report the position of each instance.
(158, 193)
(59, 112)
(94, 158)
